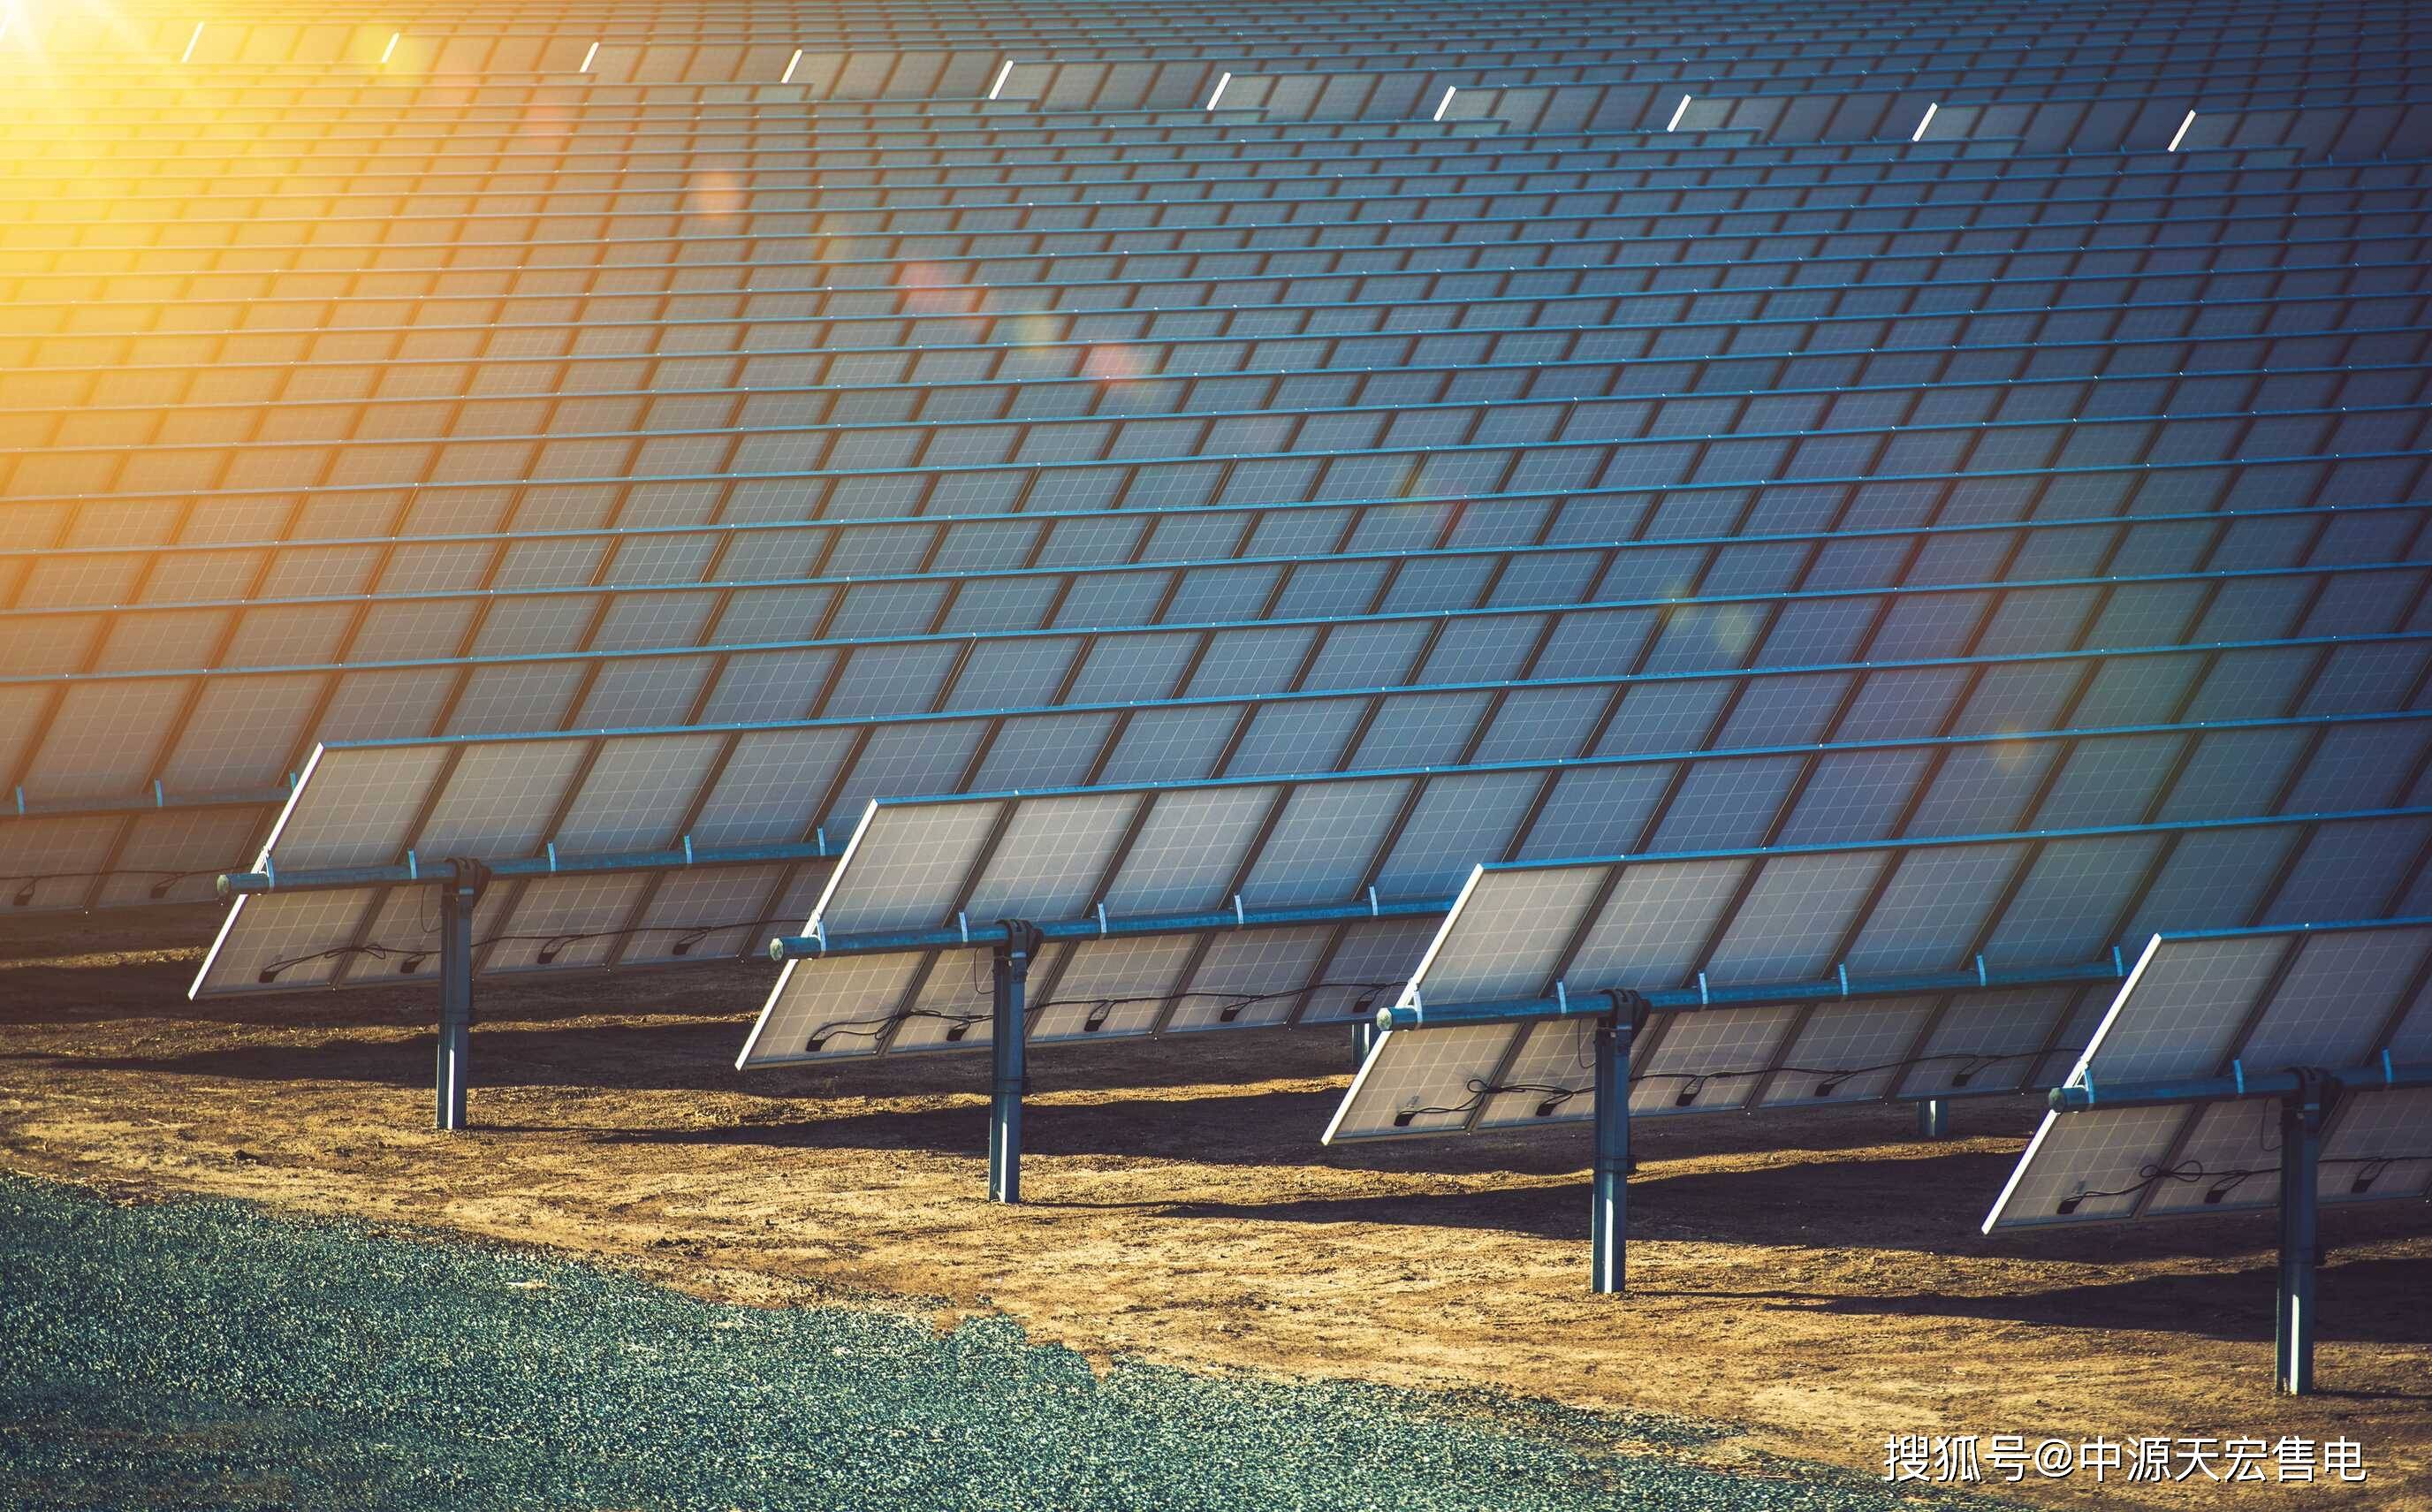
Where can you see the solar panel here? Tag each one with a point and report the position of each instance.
(2328, 1022)
(36, 426)
(1712, 926)
(1929, 506)
(251, 725)
(2268, 1000)
(1273, 844)
(753, 785)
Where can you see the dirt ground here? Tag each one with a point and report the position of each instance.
(1815, 1279)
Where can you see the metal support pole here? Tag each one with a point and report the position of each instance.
(2301, 1153)
(1933, 1119)
(458, 899)
(1609, 1216)
(1008, 1034)
(1363, 1037)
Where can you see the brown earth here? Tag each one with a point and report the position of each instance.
(1815, 1278)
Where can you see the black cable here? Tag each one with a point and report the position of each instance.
(873, 1029)
(1100, 1009)
(550, 944)
(1480, 1089)
(377, 952)
(685, 938)
(166, 880)
(2374, 1167)
(1694, 1083)
(2188, 1173)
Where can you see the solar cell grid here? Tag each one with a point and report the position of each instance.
(1652, 922)
(784, 334)
(1356, 828)
(2090, 193)
(2259, 1002)
(1866, 386)
(2362, 382)
(1394, 645)
(765, 776)
(1906, 539)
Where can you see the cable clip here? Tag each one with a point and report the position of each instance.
(269, 872)
(1240, 920)
(821, 835)
(1981, 980)
(1373, 910)
(1704, 997)
(1561, 998)
(1102, 921)
(2118, 966)
(160, 798)
(688, 850)
(21, 799)
(552, 848)
(413, 867)
(2388, 1072)
(819, 933)
(963, 922)
(1842, 971)
(2237, 1074)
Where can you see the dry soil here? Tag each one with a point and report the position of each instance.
(1815, 1279)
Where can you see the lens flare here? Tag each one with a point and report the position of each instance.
(929, 290)
(1112, 365)
(717, 197)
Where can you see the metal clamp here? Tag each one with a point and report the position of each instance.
(1021, 937)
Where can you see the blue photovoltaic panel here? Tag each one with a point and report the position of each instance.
(1325, 840)
(2265, 1001)
(726, 786)
(1786, 915)
(1417, 442)
(246, 726)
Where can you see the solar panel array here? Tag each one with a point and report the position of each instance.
(2261, 1001)
(1725, 503)
(1936, 904)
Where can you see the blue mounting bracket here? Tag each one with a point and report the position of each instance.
(1008, 1062)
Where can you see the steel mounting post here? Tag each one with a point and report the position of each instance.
(458, 898)
(1010, 1078)
(2302, 1114)
(1933, 1119)
(1608, 1210)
